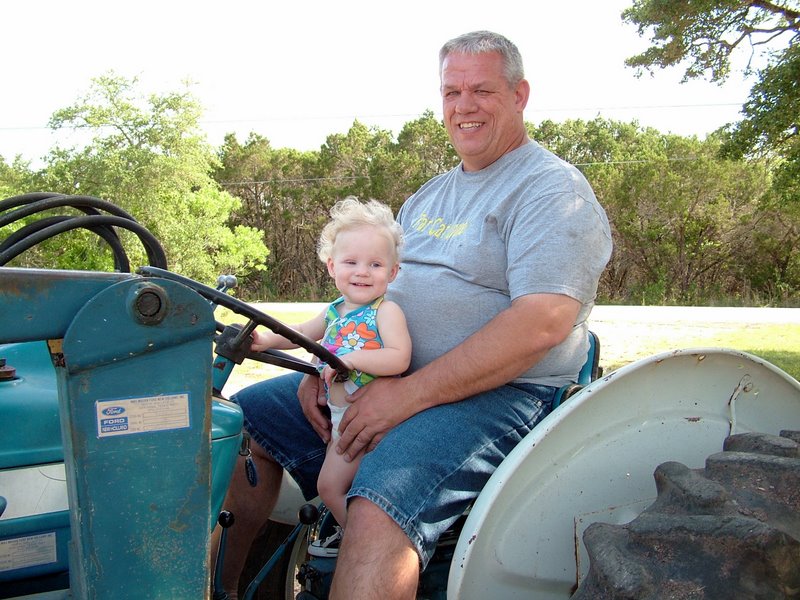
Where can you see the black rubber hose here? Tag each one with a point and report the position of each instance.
(121, 262)
(21, 199)
(35, 202)
(83, 203)
(155, 253)
(30, 199)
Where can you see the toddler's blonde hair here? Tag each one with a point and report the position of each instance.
(351, 213)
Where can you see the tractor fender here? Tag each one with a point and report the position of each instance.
(593, 458)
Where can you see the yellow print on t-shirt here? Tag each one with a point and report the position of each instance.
(436, 227)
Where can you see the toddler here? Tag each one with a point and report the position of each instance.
(360, 247)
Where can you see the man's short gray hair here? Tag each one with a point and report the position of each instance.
(479, 42)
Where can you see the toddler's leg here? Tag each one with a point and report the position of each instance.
(334, 482)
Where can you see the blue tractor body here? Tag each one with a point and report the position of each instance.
(114, 458)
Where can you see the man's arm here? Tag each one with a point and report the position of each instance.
(507, 346)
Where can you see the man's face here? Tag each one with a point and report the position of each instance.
(482, 113)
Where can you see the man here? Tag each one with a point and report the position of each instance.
(500, 268)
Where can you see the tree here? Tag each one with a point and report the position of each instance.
(423, 150)
(348, 162)
(772, 123)
(680, 215)
(288, 194)
(15, 178)
(707, 33)
(704, 35)
(279, 194)
(146, 154)
(605, 151)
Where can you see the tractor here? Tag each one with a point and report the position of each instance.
(675, 476)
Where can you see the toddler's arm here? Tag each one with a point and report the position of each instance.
(313, 329)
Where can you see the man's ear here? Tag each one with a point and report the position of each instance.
(523, 93)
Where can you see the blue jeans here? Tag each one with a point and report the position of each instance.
(426, 471)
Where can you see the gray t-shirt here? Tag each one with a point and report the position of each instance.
(528, 223)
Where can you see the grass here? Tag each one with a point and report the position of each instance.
(777, 344)
(621, 343)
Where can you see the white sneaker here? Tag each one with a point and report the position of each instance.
(329, 547)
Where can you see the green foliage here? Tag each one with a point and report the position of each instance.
(288, 194)
(703, 35)
(771, 123)
(681, 217)
(147, 156)
(423, 150)
(691, 224)
(15, 177)
(347, 161)
(282, 195)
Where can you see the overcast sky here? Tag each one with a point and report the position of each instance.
(298, 71)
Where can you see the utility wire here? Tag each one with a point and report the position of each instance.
(301, 180)
(353, 177)
(410, 116)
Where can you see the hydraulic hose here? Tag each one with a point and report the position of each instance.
(25, 205)
(121, 262)
(155, 253)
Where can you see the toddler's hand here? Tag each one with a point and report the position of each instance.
(260, 342)
(329, 373)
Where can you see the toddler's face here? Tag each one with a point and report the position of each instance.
(362, 263)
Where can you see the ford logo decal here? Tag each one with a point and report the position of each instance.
(113, 410)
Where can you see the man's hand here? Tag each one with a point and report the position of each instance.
(311, 394)
(374, 410)
(490, 357)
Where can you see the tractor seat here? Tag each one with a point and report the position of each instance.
(590, 371)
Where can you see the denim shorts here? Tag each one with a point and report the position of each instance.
(426, 471)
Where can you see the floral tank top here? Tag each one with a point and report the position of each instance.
(356, 330)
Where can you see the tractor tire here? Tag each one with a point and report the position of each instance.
(729, 530)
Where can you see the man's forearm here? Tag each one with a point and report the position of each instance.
(470, 368)
(504, 348)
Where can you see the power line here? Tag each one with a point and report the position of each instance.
(634, 107)
(300, 180)
(353, 177)
(412, 116)
(634, 162)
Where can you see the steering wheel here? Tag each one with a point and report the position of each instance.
(237, 339)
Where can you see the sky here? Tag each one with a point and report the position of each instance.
(300, 70)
